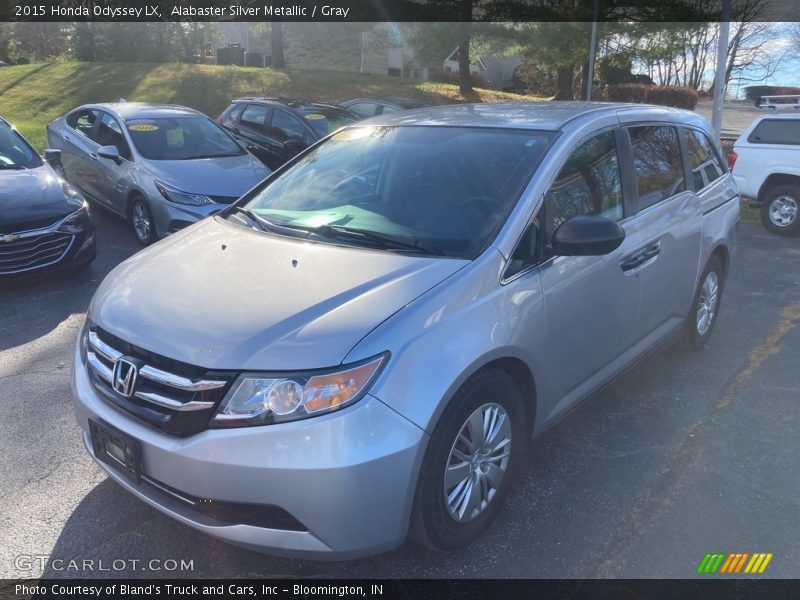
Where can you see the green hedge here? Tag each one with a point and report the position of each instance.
(664, 95)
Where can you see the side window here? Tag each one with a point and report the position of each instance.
(83, 121)
(109, 133)
(776, 131)
(254, 115)
(526, 251)
(706, 166)
(286, 127)
(363, 109)
(389, 109)
(588, 184)
(657, 161)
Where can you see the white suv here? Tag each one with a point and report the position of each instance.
(766, 166)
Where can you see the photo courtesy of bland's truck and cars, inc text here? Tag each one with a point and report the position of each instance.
(388, 299)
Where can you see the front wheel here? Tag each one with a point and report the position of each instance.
(472, 456)
(705, 306)
(141, 220)
(780, 210)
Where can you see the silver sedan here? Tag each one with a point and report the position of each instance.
(163, 167)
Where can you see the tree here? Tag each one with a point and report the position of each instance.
(276, 42)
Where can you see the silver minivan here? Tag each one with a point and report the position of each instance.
(361, 346)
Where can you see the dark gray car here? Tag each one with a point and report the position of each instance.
(163, 167)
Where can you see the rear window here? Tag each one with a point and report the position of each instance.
(776, 131)
(706, 165)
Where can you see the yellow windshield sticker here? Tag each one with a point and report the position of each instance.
(315, 117)
(142, 127)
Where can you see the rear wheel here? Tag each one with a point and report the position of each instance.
(141, 220)
(471, 459)
(705, 308)
(780, 210)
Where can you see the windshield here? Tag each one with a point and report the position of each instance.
(15, 152)
(181, 138)
(326, 120)
(443, 189)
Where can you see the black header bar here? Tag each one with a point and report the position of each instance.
(388, 10)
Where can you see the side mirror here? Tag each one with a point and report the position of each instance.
(52, 156)
(109, 152)
(587, 236)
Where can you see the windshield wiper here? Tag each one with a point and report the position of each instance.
(14, 167)
(265, 224)
(385, 240)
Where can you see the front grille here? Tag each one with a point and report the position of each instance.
(173, 396)
(33, 251)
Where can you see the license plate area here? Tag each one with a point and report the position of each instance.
(117, 449)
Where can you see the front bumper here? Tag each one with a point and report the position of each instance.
(171, 217)
(348, 478)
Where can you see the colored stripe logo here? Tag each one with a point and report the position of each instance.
(737, 562)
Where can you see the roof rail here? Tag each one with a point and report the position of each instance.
(784, 102)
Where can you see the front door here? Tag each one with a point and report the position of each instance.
(591, 302)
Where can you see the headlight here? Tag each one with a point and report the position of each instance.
(256, 400)
(77, 221)
(173, 195)
(83, 340)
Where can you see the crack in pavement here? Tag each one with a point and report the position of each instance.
(687, 452)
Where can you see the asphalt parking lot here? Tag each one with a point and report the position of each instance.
(685, 454)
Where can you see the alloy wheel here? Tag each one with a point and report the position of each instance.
(141, 221)
(478, 462)
(707, 303)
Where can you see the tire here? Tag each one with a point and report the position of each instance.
(140, 218)
(705, 305)
(780, 210)
(445, 526)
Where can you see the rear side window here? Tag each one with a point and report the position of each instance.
(254, 115)
(706, 165)
(657, 161)
(83, 121)
(776, 131)
(588, 184)
(364, 109)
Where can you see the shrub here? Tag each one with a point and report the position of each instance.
(664, 95)
(672, 95)
(627, 92)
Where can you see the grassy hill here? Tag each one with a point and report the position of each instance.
(33, 95)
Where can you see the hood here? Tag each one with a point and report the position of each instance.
(228, 176)
(32, 198)
(225, 297)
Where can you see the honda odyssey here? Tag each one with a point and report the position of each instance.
(361, 346)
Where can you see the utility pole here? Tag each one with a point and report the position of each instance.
(592, 50)
(719, 75)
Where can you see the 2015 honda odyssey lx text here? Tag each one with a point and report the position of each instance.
(361, 346)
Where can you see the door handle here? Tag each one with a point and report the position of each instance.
(632, 262)
(651, 251)
(93, 156)
(640, 257)
(66, 138)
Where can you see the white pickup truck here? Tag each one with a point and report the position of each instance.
(766, 166)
